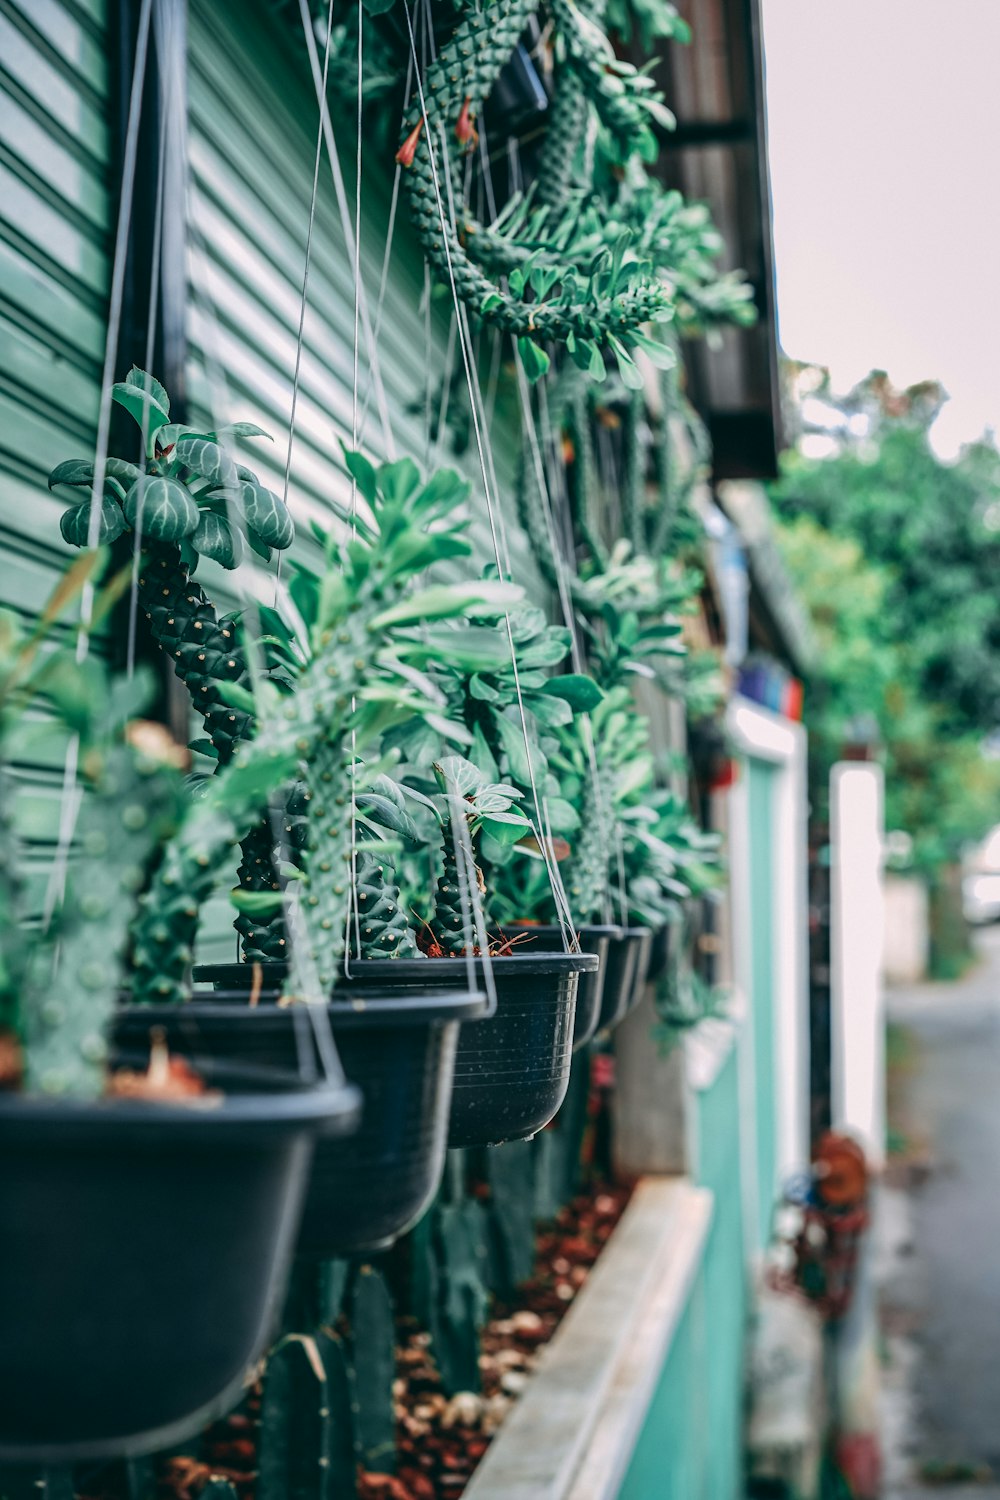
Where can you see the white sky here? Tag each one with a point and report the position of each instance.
(884, 124)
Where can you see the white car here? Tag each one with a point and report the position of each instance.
(981, 896)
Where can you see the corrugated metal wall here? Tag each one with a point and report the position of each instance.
(55, 212)
(251, 140)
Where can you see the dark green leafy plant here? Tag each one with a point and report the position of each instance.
(190, 499)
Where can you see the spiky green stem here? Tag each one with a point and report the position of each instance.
(13, 948)
(586, 880)
(634, 472)
(450, 914)
(385, 931)
(465, 69)
(71, 1003)
(203, 649)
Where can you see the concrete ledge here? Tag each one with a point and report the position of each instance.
(572, 1434)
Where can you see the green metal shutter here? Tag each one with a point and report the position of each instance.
(252, 122)
(252, 137)
(55, 213)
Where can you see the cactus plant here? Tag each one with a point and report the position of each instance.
(59, 992)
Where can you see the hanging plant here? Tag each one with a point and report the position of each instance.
(157, 1145)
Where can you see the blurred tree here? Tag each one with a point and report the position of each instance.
(896, 555)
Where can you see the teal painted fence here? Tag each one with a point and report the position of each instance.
(691, 1443)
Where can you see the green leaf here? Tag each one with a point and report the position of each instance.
(256, 903)
(627, 368)
(506, 828)
(481, 690)
(256, 545)
(146, 382)
(362, 472)
(444, 491)
(398, 480)
(75, 524)
(580, 692)
(534, 360)
(161, 508)
(562, 815)
(597, 369)
(142, 406)
(215, 538)
(443, 600)
(204, 747)
(75, 471)
(482, 755)
(661, 355)
(243, 430)
(207, 459)
(511, 738)
(267, 514)
(388, 813)
(237, 696)
(457, 775)
(552, 712)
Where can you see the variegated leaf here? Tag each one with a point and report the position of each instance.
(207, 459)
(161, 508)
(75, 524)
(215, 538)
(267, 514)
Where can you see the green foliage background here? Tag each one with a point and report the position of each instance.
(897, 556)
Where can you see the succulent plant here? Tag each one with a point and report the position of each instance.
(351, 678)
(483, 806)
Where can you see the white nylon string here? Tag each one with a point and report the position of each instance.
(465, 343)
(303, 304)
(546, 490)
(70, 794)
(386, 258)
(297, 935)
(164, 49)
(353, 904)
(346, 227)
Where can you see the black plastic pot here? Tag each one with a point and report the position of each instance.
(625, 976)
(400, 1052)
(143, 1254)
(511, 1068)
(664, 949)
(590, 992)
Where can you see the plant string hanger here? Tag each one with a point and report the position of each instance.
(447, 223)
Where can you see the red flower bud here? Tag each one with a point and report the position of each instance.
(465, 130)
(408, 149)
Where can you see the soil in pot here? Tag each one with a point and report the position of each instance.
(625, 975)
(144, 1248)
(590, 991)
(399, 1050)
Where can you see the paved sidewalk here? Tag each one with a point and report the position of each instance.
(939, 1238)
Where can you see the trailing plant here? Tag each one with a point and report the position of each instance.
(351, 678)
(560, 287)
